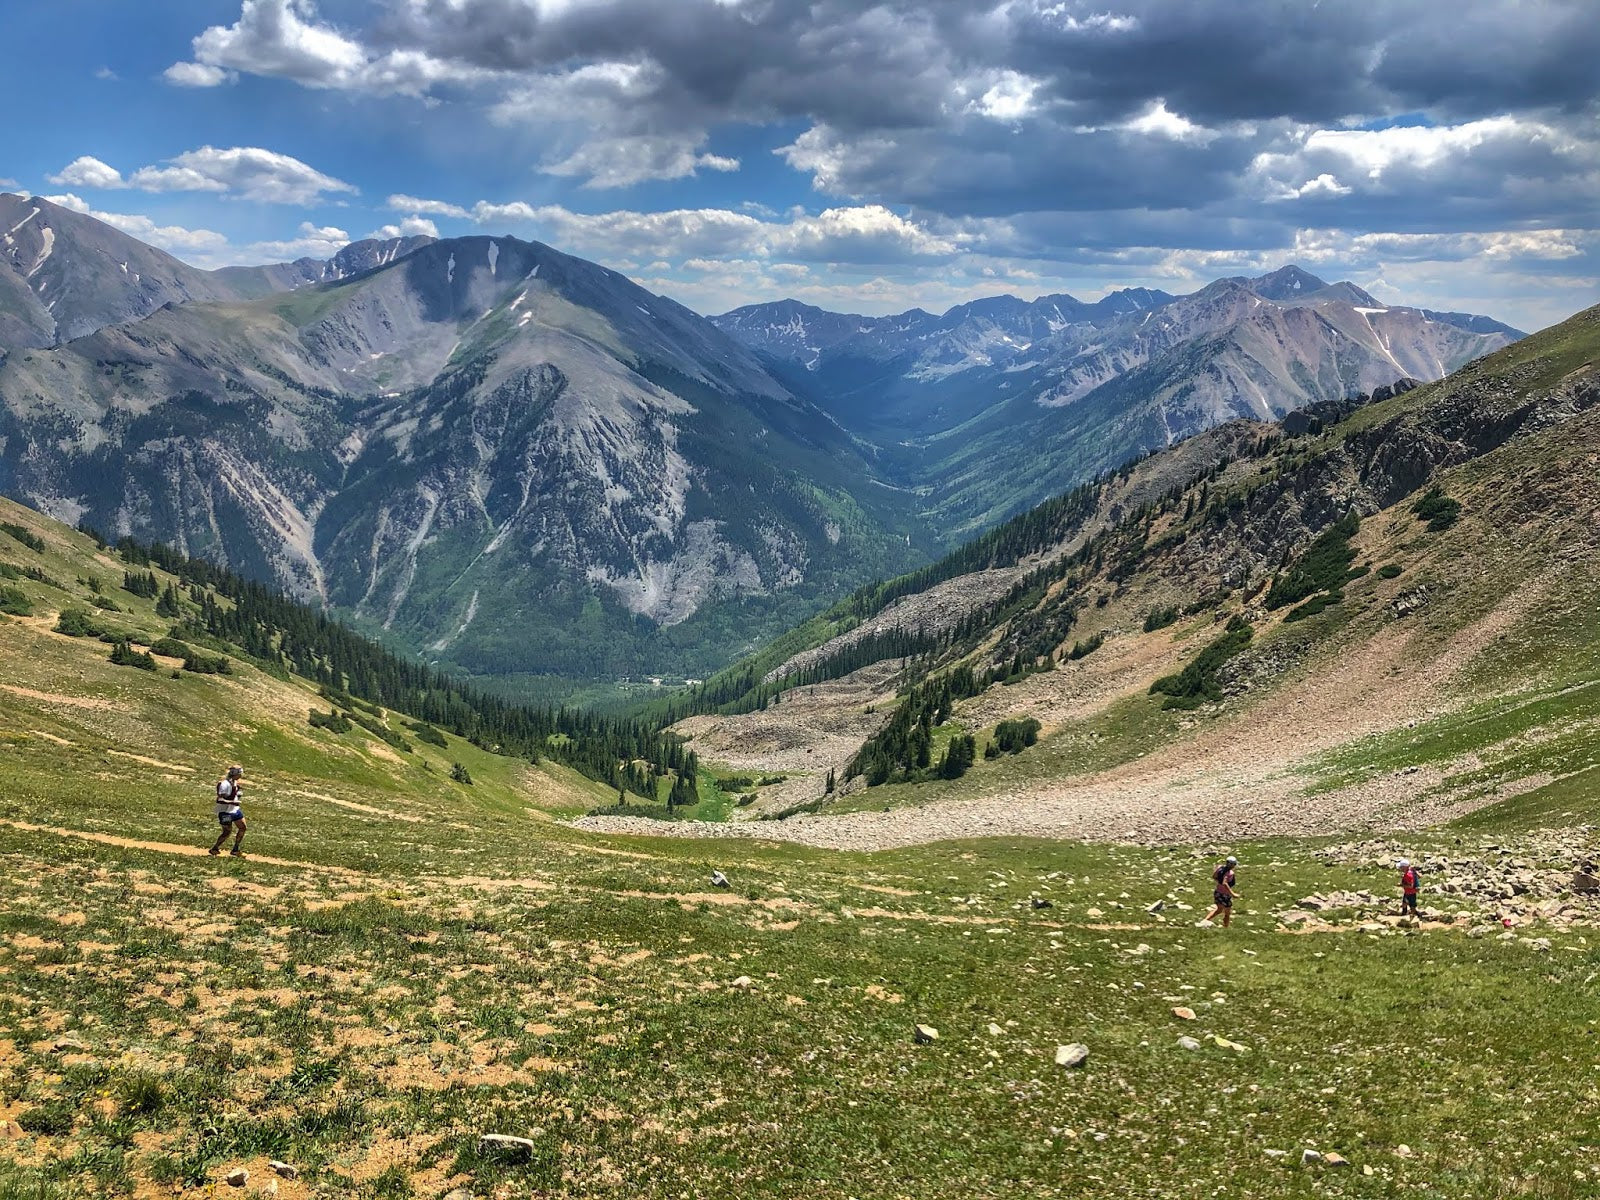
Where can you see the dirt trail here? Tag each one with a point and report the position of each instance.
(110, 839)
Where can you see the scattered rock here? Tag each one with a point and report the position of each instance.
(284, 1169)
(1040, 902)
(68, 1044)
(743, 982)
(506, 1145)
(1188, 1043)
(1402, 1151)
(1156, 907)
(923, 1034)
(459, 1194)
(1224, 1043)
(1335, 1160)
(1309, 1156)
(237, 1177)
(718, 879)
(995, 1030)
(1272, 1153)
(1183, 1014)
(1093, 913)
(1072, 1056)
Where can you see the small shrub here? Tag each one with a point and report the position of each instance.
(76, 622)
(426, 733)
(170, 647)
(460, 774)
(1389, 571)
(53, 1118)
(15, 601)
(31, 540)
(333, 721)
(207, 664)
(1325, 565)
(141, 1093)
(1013, 737)
(1159, 618)
(124, 655)
(1312, 606)
(1197, 683)
(1084, 649)
(1437, 509)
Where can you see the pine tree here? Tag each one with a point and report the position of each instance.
(830, 786)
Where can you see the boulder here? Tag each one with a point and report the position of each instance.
(284, 1169)
(1188, 1043)
(237, 1177)
(923, 1034)
(1072, 1056)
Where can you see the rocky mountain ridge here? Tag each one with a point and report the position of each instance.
(467, 444)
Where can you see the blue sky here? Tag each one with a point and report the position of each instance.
(858, 155)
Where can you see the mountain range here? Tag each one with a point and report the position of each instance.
(999, 402)
(515, 462)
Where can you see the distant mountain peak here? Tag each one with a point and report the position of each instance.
(1286, 283)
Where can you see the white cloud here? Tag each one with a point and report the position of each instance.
(196, 75)
(622, 161)
(433, 208)
(412, 226)
(313, 242)
(173, 238)
(1009, 97)
(247, 172)
(86, 171)
(1159, 121)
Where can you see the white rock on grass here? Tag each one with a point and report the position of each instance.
(1188, 1043)
(923, 1034)
(506, 1144)
(1072, 1056)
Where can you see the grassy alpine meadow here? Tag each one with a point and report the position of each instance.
(406, 961)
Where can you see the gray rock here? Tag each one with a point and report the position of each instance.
(1040, 902)
(1156, 907)
(1072, 1056)
(1188, 1043)
(237, 1177)
(1309, 1156)
(284, 1169)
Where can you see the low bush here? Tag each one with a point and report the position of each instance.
(1389, 571)
(1197, 683)
(31, 540)
(1437, 509)
(1159, 618)
(1015, 736)
(333, 721)
(460, 773)
(76, 622)
(426, 733)
(124, 655)
(207, 664)
(1312, 606)
(1084, 649)
(15, 601)
(170, 647)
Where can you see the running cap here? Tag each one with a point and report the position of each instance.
(1232, 861)
(235, 771)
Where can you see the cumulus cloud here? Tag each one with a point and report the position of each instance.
(196, 75)
(247, 172)
(86, 171)
(859, 234)
(412, 226)
(176, 239)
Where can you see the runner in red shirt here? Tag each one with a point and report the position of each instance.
(1408, 888)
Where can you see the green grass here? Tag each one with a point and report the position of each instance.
(405, 963)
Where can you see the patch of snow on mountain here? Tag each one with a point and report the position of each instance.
(494, 257)
(450, 269)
